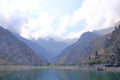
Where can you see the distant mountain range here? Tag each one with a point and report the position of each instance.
(91, 48)
(45, 54)
(48, 49)
(54, 46)
(14, 51)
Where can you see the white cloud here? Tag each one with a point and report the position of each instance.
(17, 16)
(73, 35)
(26, 6)
(62, 27)
(13, 22)
(15, 13)
(97, 13)
(40, 27)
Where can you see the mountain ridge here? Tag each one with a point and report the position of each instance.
(71, 54)
(12, 49)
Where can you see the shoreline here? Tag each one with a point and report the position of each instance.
(24, 67)
(15, 67)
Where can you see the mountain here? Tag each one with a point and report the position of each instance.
(76, 52)
(53, 46)
(103, 32)
(41, 51)
(112, 48)
(15, 51)
(47, 49)
(98, 44)
(106, 50)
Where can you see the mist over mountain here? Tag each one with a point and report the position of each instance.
(51, 32)
(46, 48)
(54, 46)
(45, 54)
(67, 51)
(103, 32)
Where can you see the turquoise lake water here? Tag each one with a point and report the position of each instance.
(57, 74)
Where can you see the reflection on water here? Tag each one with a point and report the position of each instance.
(56, 74)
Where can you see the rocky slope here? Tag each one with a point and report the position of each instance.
(112, 47)
(78, 51)
(106, 50)
(15, 51)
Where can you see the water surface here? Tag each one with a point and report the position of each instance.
(57, 74)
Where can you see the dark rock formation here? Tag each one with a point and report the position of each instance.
(112, 46)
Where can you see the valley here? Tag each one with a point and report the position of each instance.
(90, 49)
(59, 40)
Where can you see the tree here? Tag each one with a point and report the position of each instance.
(117, 56)
(96, 53)
(48, 64)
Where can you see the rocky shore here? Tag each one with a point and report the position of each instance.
(94, 68)
(101, 68)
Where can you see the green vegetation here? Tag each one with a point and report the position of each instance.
(95, 59)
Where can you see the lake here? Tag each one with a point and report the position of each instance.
(57, 74)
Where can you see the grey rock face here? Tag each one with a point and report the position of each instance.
(12, 49)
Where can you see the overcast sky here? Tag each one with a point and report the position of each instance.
(34, 19)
